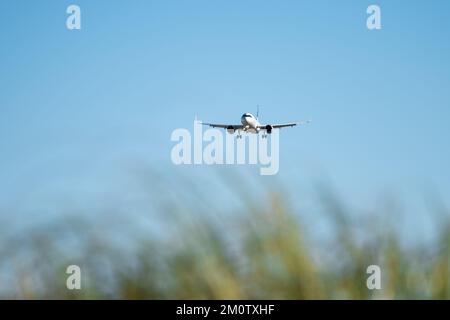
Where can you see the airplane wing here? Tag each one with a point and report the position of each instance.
(224, 126)
(284, 125)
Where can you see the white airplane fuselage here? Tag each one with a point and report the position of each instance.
(250, 123)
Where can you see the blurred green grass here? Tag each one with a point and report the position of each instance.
(260, 252)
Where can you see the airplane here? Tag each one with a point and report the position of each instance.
(250, 123)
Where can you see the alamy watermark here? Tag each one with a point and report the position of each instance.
(373, 22)
(73, 21)
(374, 280)
(223, 147)
(73, 281)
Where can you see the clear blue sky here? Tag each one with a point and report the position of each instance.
(75, 106)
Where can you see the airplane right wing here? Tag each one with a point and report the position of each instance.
(224, 126)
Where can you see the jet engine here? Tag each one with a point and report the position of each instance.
(269, 129)
(230, 129)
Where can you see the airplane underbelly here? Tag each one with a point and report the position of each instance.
(251, 125)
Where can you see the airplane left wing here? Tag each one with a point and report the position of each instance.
(277, 126)
(284, 125)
